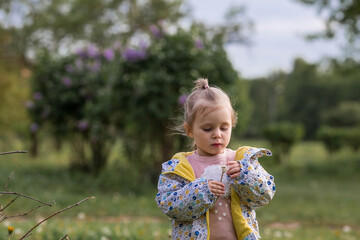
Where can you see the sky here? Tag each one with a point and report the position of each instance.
(280, 27)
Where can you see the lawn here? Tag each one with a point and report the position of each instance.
(317, 198)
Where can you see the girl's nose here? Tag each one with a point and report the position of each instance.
(216, 133)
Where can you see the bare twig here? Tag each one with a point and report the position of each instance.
(26, 196)
(2, 209)
(8, 180)
(21, 214)
(54, 214)
(65, 237)
(5, 153)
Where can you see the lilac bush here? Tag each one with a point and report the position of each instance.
(133, 91)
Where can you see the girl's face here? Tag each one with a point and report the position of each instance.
(211, 129)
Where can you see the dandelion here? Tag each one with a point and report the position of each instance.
(346, 229)
(223, 170)
(11, 229)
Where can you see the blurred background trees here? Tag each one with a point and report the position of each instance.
(108, 70)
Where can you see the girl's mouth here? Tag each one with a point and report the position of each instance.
(216, 145)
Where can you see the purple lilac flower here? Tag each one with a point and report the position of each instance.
(79, 64)
(199, 43)
(81, 53)
(92, 51)
(34, 127)
(95, 66)
(37, 96)
(67, 81)
(117, 45)
(155, 31)
(29, 104)
(133, 55)
(182, 99)
(109, 54)
(83, 125)
(70, 68)
(46, 112)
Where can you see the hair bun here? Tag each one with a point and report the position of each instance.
(201, 83)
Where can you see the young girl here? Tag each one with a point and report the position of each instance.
(211, 193)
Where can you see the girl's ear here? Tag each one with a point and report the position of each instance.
(188, 130)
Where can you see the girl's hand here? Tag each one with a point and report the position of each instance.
(234, 169)
(216, 188)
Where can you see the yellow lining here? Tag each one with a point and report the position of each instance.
(183, 168)
(241, 226)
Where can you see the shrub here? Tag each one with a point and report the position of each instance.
(133, 92)
(282, 137)
(336, 137)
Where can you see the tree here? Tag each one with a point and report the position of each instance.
(283, 136)
(339, 15)
(60, 25)
(133, 92)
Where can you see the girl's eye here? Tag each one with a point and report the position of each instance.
(207, 129)
(224, 128)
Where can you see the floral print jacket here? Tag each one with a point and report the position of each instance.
(187, 200)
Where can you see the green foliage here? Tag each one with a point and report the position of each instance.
(335, 137)
(331, 137)
(342, 127)
(59, 24)
(267, 97)
(338, 13)
(96, 95)
(282, 137)
(312, 89)
(346, 114)
(14, 90)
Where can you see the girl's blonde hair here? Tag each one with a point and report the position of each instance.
(201, 97)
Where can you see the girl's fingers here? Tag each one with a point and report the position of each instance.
(216, 188)
(234, 169)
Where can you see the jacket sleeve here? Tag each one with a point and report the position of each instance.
(255, 186)
(181, 199)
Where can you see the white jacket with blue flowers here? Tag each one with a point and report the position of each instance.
(187, 200)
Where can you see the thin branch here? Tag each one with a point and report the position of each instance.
(21, 214)
(65, 237)
(8, 180)
(5, 153)
(25, 196)
(2, 209)
(54, 214)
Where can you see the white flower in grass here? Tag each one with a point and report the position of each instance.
(346, 229)
(81, 216)
(278, 234)
(106, 230)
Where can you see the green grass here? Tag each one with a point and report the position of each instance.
(317, 197)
